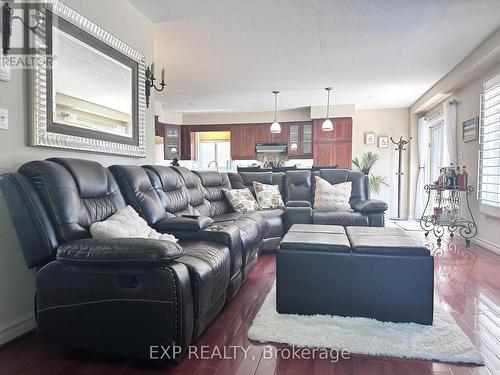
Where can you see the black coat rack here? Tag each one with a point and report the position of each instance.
(401, 147)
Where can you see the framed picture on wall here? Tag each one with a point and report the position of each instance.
(370, 138)
(469, 129)
(383, 141)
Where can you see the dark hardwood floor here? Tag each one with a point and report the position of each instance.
(467, 282)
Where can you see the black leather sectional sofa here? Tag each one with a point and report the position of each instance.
(122, 296)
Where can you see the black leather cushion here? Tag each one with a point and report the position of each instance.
(373, 231)
(314, 228)
(385, 241)
(119, 252)
(330, 242)
(209, 267)
(344, 218)
(195, 190)
(298, 186)
(138, 191)
(250, 234)
(171, 189)
(214, 183)
(298, 204)
(32, 224)
(227, 217)
(76, 194)
(179, 223)
(273, 223)
(369, 206)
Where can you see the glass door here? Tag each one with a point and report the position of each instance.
(436, 142)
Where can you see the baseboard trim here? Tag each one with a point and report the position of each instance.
(17, 328)
(486, 245)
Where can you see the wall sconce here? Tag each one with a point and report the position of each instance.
(8, 18)
(150, 82)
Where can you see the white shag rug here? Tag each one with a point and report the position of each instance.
(444, 341)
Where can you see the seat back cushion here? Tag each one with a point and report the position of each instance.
(196, 191)
(76, 193)
(298, 186)
(214, 184)
(171, 189)
(139, 192)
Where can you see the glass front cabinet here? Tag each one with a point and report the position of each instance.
(300, 140)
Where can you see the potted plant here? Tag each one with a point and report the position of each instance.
(368, 160)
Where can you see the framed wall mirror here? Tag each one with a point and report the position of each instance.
(92, 97)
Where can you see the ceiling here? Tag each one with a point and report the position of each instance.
(228, 55)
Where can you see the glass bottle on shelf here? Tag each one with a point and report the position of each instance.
(441, 178)
(452, 179)
(464, 177)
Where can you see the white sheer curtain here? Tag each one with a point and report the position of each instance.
(450, 133)
(423, 151)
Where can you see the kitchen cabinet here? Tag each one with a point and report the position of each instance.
(333, 147)
(171, 139)
(300, 140)
(172, 145)
(243, 139)
(185, 142)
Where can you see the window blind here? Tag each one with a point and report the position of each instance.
(489, 139)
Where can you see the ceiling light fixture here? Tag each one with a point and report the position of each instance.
(275, 126)
(327, 124)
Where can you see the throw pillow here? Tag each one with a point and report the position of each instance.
(332, 197)
(268, 196)
(241, 200)
(126, 223)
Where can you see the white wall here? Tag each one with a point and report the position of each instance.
(16, 282)
(467, 108)
(384, 122)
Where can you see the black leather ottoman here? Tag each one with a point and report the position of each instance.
(392, 276)
(379, 273)
(313, 271)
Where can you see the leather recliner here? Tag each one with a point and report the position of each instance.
(97, 294)
(300, 189)
(161, 196)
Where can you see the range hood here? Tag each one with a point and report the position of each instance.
(271, 148)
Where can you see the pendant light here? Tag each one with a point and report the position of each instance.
(275, 126)
(327, 124)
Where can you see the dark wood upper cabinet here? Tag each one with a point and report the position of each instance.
(185, 141)
(333, 147)
(171, 139)
(326, 148)
(300, 140)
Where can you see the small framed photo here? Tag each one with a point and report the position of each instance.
(383, 141)
(469, 129)
(370, 138)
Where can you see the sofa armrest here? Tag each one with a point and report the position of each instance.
(119, 252)
(297, 215)
(369, 206)
(180, 223)
(298, 204)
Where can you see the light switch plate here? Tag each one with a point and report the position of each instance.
(4, 72)
(4, 119)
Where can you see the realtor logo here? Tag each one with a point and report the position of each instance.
(26, 36)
